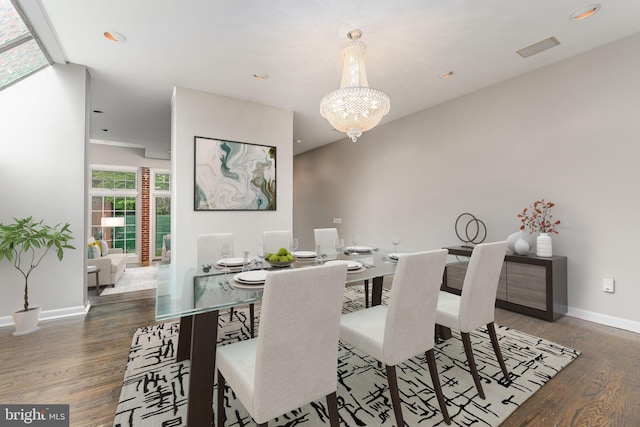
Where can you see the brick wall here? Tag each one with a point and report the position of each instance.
(145, 212)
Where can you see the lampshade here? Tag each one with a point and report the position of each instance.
(112, 221)
(355, 107)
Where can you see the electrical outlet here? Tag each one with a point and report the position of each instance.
(608, 284)
(337, 220)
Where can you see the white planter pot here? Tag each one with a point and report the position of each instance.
(543, 245)
(26, 321)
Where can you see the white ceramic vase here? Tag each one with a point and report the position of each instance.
(543, 245)
(26, 321)
(521, 247)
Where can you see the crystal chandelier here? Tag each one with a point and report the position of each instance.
(355, 107)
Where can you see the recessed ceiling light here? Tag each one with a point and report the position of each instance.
(446, 74)
(584, 12)
(261, 76)
(115, 37)
(298, 141)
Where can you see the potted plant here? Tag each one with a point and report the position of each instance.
(25, 243)
(538, 218)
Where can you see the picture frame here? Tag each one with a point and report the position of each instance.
(233, 176)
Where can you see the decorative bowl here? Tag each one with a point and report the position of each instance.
(280, 264)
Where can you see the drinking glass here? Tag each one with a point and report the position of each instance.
(319, 254)
(225, 251)
(261, 252)
(293, 244)
(246, 265)
(395, 241)
(338, 244)
(355, 239)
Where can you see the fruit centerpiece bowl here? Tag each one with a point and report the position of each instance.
(282, 258)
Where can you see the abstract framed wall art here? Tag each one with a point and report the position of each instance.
(234, 176)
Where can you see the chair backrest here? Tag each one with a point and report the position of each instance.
(209, 246)
(297, 348)
(413, 302)
(477, 304)
(326, 238)
(274, 240)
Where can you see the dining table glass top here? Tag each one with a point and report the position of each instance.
(189, 289)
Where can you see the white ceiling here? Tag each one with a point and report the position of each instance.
(216, 46)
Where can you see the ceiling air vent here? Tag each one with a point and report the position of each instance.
(538, 47)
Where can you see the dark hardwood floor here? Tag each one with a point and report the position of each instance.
(81, 362)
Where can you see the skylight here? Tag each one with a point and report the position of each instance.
(20, 54)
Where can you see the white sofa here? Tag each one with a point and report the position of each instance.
(111, 266)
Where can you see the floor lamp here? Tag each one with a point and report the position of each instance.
(111, 222)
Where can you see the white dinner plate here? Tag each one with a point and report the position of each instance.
(305, 254)
(395, 255)
(231, 262)
(249, 277)
(251, 286)
(359, 249)
(351, 265)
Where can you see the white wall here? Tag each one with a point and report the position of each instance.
(42, 173)
(197, 113)
(567, 132)
(101, 154)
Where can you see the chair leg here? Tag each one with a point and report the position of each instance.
(395, 395)
(435, 379)
(332, 406)
(251, 320)
(231, 314)
(466, 340)
(496, 348)
(366, 293)
(221, 381)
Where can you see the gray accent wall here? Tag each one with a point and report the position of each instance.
(568, 132)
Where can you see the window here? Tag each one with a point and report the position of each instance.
(162, 181)
(113, 179)
(161, 205)
(20, 54)
(114, 194)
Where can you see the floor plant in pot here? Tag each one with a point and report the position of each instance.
(25, 243)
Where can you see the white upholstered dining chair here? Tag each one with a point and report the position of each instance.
(294, 359)
(325, 238)
(475, 307)
(406, 327)
(274, 240)
(210, 246)
(209, 251)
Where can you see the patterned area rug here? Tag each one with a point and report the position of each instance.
(134, 279)
(154, 391)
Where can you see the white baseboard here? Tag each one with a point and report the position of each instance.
(604, 319)
(48, 315)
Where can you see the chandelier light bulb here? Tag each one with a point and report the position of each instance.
(355, 107)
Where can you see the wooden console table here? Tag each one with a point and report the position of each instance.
(530, 285)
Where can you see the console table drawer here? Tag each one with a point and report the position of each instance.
(526, 285)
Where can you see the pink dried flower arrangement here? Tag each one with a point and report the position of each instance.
(538, 218)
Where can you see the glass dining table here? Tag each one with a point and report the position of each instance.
(195, 294)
